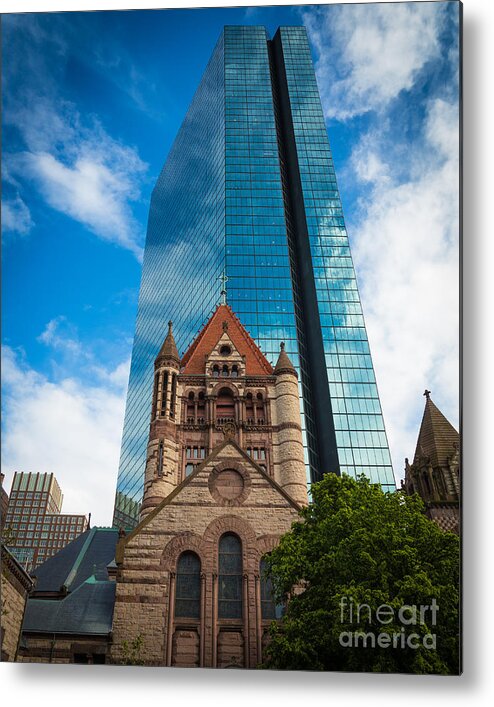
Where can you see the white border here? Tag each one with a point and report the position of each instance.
(79, 685)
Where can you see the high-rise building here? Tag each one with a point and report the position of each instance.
(35, 527)
(248, 194)
(4, 502)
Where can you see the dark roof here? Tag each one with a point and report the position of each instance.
(437, 438)
(169, 347)
(88, 554)
(87, 610)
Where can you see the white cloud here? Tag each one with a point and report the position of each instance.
(68, 428)
(369, 53)
(80, 170)
(57, 336)
(16, 217)
(405, 247)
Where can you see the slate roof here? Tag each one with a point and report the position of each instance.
(255, 361)
(87, 610)
(437, 438)
(90, 552)
(80, 567)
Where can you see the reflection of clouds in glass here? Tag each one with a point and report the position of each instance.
(183, 259)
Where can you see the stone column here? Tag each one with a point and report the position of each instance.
(202, 642)
(171, 617)
(245, 601)
(214, 628)
(258, 618)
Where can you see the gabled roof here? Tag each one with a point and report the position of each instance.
(188, 479)
(90, 552)
(437, 438)
(194, 358)
(87, 610)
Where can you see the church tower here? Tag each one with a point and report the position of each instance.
(225, 478)
(160, 477)
(435, 471)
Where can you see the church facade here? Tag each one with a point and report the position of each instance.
(225, 477)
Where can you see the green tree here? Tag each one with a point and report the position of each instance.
(359, 546)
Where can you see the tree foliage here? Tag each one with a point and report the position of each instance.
(357, 544)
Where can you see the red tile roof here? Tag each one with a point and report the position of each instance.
(255, 362)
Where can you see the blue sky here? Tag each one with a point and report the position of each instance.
(91, 104)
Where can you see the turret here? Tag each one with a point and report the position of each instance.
(160, 476)
(166, 369)
(289, 456)
(434, 472)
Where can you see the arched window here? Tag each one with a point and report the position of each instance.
(224, 371)
(160, 458)
(234, 372)
(216, 371)
(230, 577)
(173, 395)
(190, 406)
(188, 586)
(155, 393)
(164, 392)
(427, 485)
(260, 408)
(225, 405)
(269, 609)
(249, 408)
(201, 407)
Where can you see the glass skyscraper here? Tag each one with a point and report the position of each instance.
(249, 191)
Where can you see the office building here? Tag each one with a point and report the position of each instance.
(248, 197)
(36, 529)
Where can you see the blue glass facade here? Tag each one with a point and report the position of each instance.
(249, 189)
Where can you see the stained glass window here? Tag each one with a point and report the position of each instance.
(188, 586)
(269, 608)
(230, 577)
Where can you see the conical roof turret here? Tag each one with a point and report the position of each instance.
(283, 364)
(169, 348)
(437, 438)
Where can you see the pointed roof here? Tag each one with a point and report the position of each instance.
(227, 442)
(223, 320)
(437, 437)
(169, 348)
(283, 364)
(75, 562)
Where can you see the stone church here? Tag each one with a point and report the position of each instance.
(435, 471)
(224, 479)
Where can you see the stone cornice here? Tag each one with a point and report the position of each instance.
(10, 563)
